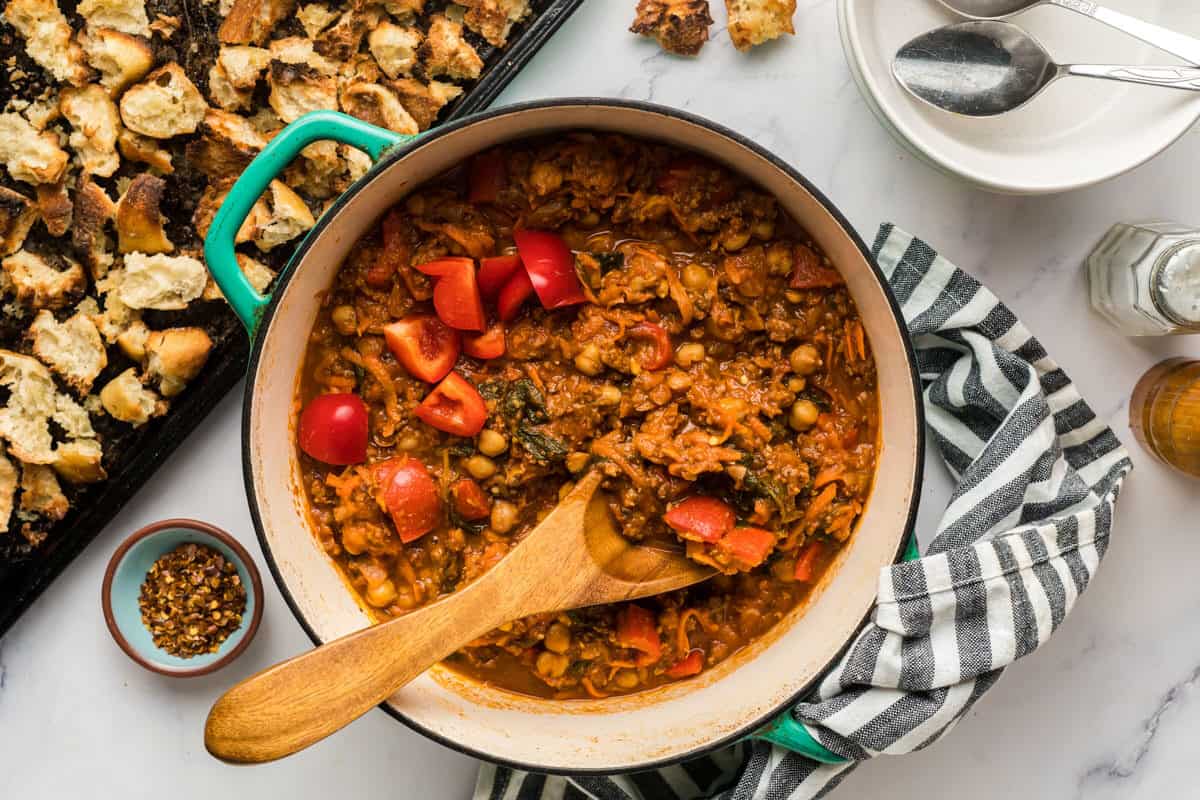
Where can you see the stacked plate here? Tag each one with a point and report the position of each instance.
(1076, 134)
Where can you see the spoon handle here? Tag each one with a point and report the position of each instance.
(1177, 44)
(1168, 77)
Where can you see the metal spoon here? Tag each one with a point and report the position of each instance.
(1177, 44)
(981, 69)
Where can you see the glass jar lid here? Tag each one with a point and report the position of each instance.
(1176, 283)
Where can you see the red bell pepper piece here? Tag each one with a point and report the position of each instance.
(495, 272)
(703, 519)
(440, 267)
(513, 296)
(806, 562)
(425, 345)
(748, 547)
(689, 665)
(456, 293)
(489, 344)
(487, 177)
(551, 268)
(660, 353)
(454, 406)
(470, 501)
(409, 495)
(637, 628)
(809, 273)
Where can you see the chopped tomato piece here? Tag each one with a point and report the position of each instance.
(551, 268)
(425, 345)
(637, 628)
(441, 267)
(704, 519)
(495, 272)
(470, 501)
(454, 406)
(395, 251)
(513, 296)
(809, 273)
(806, 562)
(489, 344)
(456, 296)
(660, 353)
(333, 429)
(748, 547)
(487, 177)
(409, 495)
(689, 665)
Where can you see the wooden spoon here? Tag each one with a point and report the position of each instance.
(574, 558)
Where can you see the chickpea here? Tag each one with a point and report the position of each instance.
(609, 395)
(805, 359)
(627, 679)
(590, 220)
(764, 229)
(558, 638)
(354, 539)
(492, 443)
(409, 442)
(588, 361)
(382, 594)
(736, 241)
(696, 277)
(552, 665)
(688, 354)
(345, 320)
(480, 467)
(804, 415)
(797, 384)
(679, 381)
(504, 516)
(577, 461)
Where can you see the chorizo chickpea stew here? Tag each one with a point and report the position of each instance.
(589, 302)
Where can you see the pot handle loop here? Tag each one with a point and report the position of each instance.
(219, 252)
(792, 734)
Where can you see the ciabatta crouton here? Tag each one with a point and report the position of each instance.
(144, 150)
(163, 105)
(94, 209)
(493, 19)
(752, 22)
(227, 144)
(404, 10)
(448, 53)
(394, 48)
(42, 282)
(79, 461)
(8, 490)
(96, 123)
(72, 348)
(341, 40)
(175, 356)
(680, 26)
(244, 65)
(126, 399)
(424, 101)
(121, 58)
(48, 39)
(55, 207)
(41, 494)
(140, 223)
(127, 16)
(298, 88)
(30, 155)
(278, 217)
(257, 273)
(315, 17)
(377, 105)
(33, 401)
(17, 215)
(162, 282)
(251, 21)
(223, 93)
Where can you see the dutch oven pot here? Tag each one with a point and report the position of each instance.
(744, 695)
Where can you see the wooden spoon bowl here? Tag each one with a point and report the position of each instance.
(574, 558)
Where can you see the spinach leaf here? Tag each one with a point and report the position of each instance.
(542, 446)
(756, 485)
(592, 267)
(524, 401)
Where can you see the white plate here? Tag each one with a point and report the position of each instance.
(1078, 133)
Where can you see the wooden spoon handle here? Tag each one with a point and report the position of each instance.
(292, 705)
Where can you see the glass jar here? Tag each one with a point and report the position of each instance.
(1165, 413)
(1146, 278)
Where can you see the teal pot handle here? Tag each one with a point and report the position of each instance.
(285, 146)
(787, 732)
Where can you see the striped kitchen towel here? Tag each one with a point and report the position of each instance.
(1038, 476)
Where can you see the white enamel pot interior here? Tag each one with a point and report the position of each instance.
(731, 700)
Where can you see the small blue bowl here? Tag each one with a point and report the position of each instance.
(123, 583)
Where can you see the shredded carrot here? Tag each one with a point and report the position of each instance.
(592, 690)
(829, 474)
(684, 646)
(606, 450)
(536, 377)
(820, 503)
(860, 337)
(379, 372)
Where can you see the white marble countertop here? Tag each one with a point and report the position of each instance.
(1109, 709)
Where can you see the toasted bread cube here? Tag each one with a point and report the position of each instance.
(41, 283)
(33, 401)
(448, 53)
(315, 17)
(126, 16)
(223, 93)
(297, 89)
(424, 101)
(144, 150)
(341, 40)
(251, 21)
(161, 282)
(278, 217)
(96, 123)
(394, 48)
(8, 490)
(257, 273)
(404, 10)
(244, 65)
(120, 58)
(55, 207)
(30, 155)
(377, 105)
(680, 26)
(117, 319)
(17, 215)
(752, 22)
(41, 494)
(79, 461)
(175, 356)
(48, 39)
(72, 348)
(140, 223)
(227, 144)
(93, 211)
(126, 399)
(493, 19)
(163, 105)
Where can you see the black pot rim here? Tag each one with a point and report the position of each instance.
(399, 152)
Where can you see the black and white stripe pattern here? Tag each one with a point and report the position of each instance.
(1038, 476)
